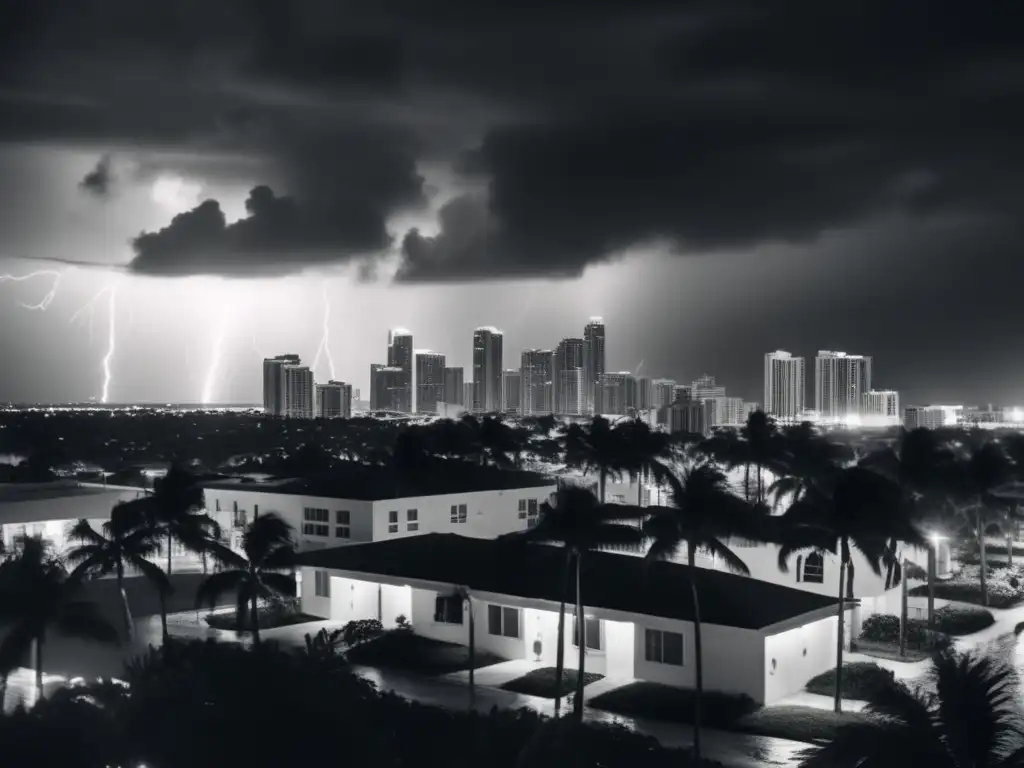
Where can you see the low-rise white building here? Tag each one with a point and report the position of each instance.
(760, 639)
(369, 503)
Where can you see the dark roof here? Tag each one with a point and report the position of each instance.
(367, 482)
(59, 489)
(613, 581)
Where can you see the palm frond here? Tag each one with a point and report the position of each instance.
(278, 583)
(217, 584)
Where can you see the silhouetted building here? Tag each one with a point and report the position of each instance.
(840, 381)
(430, 381)
(784, 386)
(617, 393)
(454, 391)
(511, 387)
(487, 370)
(273, 383)
(389, 390)
(593, 361)
(400, 355)
(299, 395)
(568, 356)
(334, 400)
(536, 382)
(688, 416)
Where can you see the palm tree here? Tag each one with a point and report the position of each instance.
(646, 453)
(35, 595)
(968, 716)
(806, 459)
(595, 448)
(704, 515)
(756, 447)
(269, 549)
(862, 511)
(120, 546)
(575, 518)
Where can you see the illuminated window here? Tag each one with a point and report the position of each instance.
(459, 513)
(591, 630)
(663, 647)
(502, 621)
(448, 609)
(316, 521)
(321, 584)
(814, 568)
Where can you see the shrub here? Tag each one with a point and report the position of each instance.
(860, 680)
(885, 628)
(962, 619)
(1004, 586)
(361, 630)
(665, 702)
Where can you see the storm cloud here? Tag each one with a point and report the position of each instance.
(572, 136)
(99, 181)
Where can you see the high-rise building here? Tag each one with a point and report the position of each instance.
(784, 386)
(644, 394)
(705, 388)
(454, 393)
(593, 360)
(334, 400)
(617, 393)
(468, 388)
(429, 381)
(932, 416)
(726, 411)
(400, 355)
(299, 395)
(511, 387)
(662, 393)
(568, 356)
(536, 383)
(687, 416)
(571, 393)
(273, 383)
(840, 381)
(880, 408)
(681, 392)
(487, 357)
(389, 389)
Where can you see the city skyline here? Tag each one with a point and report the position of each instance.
(303, 180)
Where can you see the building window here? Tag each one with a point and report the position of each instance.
(532, 508)
(342, 532)
(315, 529)
(321, 584)
(459, 513)
(412, 519)
(393, 521)
(592, 631)
(663, 647)
(216, 503)
(814, 568)
(502, 621)
(315, 515)
(343, 522)
(522, 509)
(448, 609)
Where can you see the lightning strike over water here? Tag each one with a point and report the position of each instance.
(215, 360)
(324, 347)
(48, 297)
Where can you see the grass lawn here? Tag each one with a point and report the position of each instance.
(402, 649)
(542, 682)
(268, 620)
(724, 712)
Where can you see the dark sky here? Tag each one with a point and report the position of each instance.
(716, 179)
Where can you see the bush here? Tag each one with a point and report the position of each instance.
(962, 619)
(671, 704)
(861, 679)
(1004, 587)
(885, 628)
(361, 630)
(542, 682)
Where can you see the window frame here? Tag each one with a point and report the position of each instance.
(817, 572)
(321, 583)
(503, 612)
(599, 648)
(662, 657)
(449, 610)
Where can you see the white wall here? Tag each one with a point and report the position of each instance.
(799, 654)
(733, 658)
(489, 514)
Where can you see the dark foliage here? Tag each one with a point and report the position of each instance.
(544, 682)
(671, 704)
(861, 680)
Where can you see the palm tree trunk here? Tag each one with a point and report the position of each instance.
(602, 479)
(981, 552)
(40, 693)
(254, 617)
(932, 557)
(165, 634)
(903, 609)
(1009, 550)
(3, 693)
(698, 655)
(581, 632)
(472, 653)
(840, 622)
(560, 651)
(126, 610)
(746, 483)
(170, 543)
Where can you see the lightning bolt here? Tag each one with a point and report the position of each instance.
(88, 310)
(48, 297)
(324, 347)
(215, 359)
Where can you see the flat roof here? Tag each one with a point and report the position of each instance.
(59, 489)
(611, 581)
(372, 482)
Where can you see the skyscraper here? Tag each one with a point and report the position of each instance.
(568, 356)
(299, 396)
(593, 360)
(467, 395)
(617, 393)
(273, 383)
(840, 381)
(644, 394)
(662, 393)
(389, 390)
(536, 382)
(784, 386)
(881, 408)
(511, 387)
(705, 388)
(453, 386)
(487, 358)
(334, 400)
(429, 381)
(571, 393)
(400, 355)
